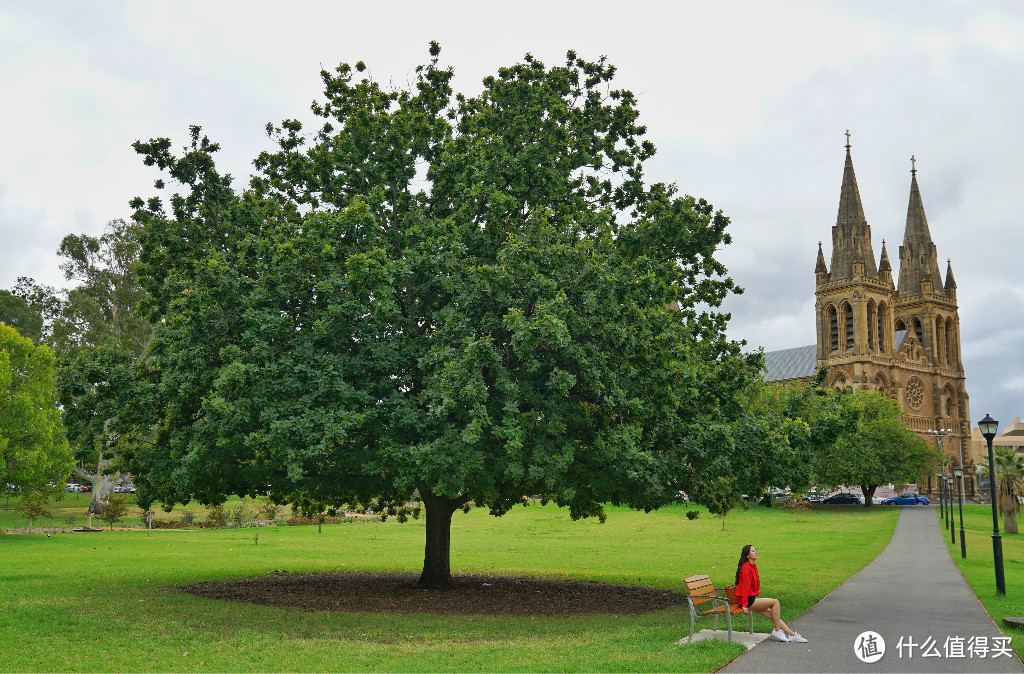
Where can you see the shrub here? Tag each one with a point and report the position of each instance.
(217, 513)
(318, 519)
(692, 514)
(115, 507)
(267, 509)
(239, 514)
(187, 517)
(32, 507)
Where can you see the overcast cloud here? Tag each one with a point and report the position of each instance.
(746, 101)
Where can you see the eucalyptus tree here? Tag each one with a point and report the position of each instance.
(100, 334)
(441, 298)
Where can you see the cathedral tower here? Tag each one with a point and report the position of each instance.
(855, 297)
(901, 338)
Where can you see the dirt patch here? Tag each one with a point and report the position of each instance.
(469, 594)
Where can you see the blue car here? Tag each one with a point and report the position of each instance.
(907, 499)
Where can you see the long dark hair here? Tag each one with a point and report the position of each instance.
(743, 558)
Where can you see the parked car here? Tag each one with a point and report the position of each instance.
(813, 497)
(909, 498)
(844, 498)
(74, 488)
(126, 488)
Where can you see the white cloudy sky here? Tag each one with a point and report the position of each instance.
(747, 102)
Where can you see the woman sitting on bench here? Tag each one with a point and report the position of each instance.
(748, 585)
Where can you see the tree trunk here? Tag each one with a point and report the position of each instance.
(1009, 523)
(102, 484)
(869, 493)
(436, 557)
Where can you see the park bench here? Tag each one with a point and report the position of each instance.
(705, 599)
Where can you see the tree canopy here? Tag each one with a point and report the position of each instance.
(16, 312)
(460, 299)
(878, 450)
(33, 449)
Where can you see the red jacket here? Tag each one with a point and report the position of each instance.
(749, 584)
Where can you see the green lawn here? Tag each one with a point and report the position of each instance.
(979, 569)
(76, 505)
(108, 601)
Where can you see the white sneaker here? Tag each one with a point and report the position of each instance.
(798, 638)
(779, 635)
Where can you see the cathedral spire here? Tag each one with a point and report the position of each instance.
(883, 264)
(918, 259)
(820, 267)
(950, 282)
(851, 235)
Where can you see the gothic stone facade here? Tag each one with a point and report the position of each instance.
(902, 337)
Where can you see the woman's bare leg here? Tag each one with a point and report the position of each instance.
(771, 609)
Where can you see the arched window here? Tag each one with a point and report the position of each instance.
(848, 322)
(950, 350)
(833, 328)
(916, 324)
(900, 325)
(872, 345)
(881, 328)
(940, 341)
(950, 401)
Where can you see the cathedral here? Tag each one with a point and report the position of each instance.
(901, 337)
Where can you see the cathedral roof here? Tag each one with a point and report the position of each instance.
(792, 363)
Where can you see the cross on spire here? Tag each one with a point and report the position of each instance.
(847, 139)
(913, 165)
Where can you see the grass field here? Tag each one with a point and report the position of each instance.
(109, 601)
(979, 568)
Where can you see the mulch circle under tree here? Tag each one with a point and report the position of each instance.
(468, 594)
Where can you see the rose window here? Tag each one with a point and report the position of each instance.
(914, 393)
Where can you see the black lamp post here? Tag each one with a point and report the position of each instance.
(959, 473)
(942, 497)
(949, 509)
(988, 427)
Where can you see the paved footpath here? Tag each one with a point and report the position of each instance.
(913, 591)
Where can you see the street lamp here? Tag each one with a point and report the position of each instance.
(942, 497)
(988, 427)
(949, 508)
(959, 472)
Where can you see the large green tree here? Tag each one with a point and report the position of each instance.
(782, 433)
(98, 334)
(16, 312)
(33, 450)
(879, 449)
(456, 299)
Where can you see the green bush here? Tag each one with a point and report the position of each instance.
(215, 513)
(115, 507)
(267, 509)
(239, 514)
